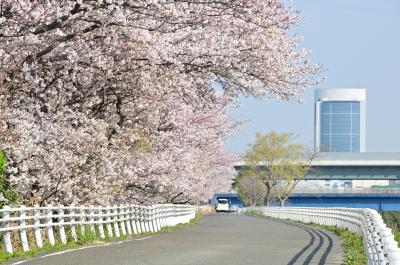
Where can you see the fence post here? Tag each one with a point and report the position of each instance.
(138, 215)
(133, 219)
(155, 218)
(150, 218)
(91, 220)
(22, 229)
(49, 224)
(191, 211)
(186, 217)
(162, 216)
(176, 214)
(141, 219)
(109, 228)
(153, 224)
(121, 217)
(146, 218)
(61, 230)
(72, 219)
(158, 217)
(99, 219)
(171, 215)
(36, 228)
(166, 215)
(82, 219)
(138, 220)
(194, 210)
(6, 234)
(115, 221)
(184, 214)
(127, 216)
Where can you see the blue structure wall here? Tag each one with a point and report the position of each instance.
(379, 202)
(232, 198)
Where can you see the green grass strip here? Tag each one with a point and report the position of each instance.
(392, 220)
(351, 242)
(397, 236)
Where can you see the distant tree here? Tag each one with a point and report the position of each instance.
(277, 163)
(251, 190)
(290, 173)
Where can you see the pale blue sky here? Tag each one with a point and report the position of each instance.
(358, 44)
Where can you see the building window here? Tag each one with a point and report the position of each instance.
(340, 126)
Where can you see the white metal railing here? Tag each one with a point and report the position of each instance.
(379, 244)
(60, 223)
(348, 190)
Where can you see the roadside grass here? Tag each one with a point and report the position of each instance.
(392, 220)
(397, 237)
(351, 242)
(88, 238)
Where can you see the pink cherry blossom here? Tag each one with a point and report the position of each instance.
(126, 101)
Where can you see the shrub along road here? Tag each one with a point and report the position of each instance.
(218, 239)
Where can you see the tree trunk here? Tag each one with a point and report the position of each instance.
(282, 202)
(267, 197)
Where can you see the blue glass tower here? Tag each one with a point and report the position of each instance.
(340, 120)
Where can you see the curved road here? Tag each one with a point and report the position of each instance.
(219, 239)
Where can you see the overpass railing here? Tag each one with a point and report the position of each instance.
(319, 190)
(26, 227)
(379, 244)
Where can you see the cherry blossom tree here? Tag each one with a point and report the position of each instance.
(126, 100)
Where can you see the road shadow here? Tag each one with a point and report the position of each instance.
(306, 253)
(312, 232)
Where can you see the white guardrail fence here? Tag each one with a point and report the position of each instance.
(319, 190)
(22, 226)
(379, 244)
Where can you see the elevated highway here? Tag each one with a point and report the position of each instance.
(351, 166)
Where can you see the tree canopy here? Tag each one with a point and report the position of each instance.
(277, 163)
(115, 101)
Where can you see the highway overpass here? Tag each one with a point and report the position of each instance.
(352, 166)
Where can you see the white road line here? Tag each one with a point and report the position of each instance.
(19, 262)
(143, 238)
(82, 248)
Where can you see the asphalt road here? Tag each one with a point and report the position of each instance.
(219, 239)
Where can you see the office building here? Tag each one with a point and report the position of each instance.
(340, 120)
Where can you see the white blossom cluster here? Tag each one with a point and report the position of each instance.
(105, 101)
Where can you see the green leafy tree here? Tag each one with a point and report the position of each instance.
(2, 163)
(278, 163)
(7, 195)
